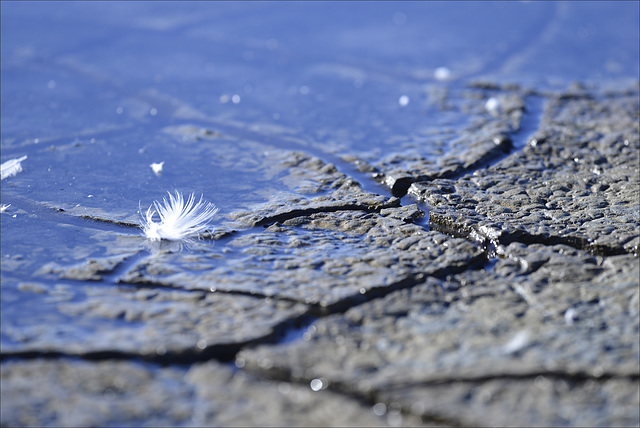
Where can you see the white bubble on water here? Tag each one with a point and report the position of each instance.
(316, 384)
(493, 105)
(442, 73)
(379, 409)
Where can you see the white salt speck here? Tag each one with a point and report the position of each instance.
(569, 316)
(492, 105)
(157, 167)
(235, 99)
(442, 73)
(4, 207)
(403, 101)
(519, 341)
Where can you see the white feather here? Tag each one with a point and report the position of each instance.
(157, 167)
(178, 219)
(11, 167)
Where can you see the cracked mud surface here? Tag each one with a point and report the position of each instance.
(583, 193)
(467, 259)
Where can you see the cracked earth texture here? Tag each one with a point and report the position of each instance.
(369, 267)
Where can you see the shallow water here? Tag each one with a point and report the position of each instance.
(223, 93)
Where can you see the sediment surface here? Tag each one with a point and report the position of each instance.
(484, 273)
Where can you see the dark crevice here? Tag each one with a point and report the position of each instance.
(223, 352)
(470, 234)
(346, 389)
(151, 284)
(46, 211)
(373, 396)
(502, 147)
(104, 220)
(505, 145)
(280, 332)
(575, 376)
(576, 242)
(318, 309)
(282, 217)
(446, 225)
(409, 281)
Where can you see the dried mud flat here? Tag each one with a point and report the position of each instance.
(516, 305)
(422, 221)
